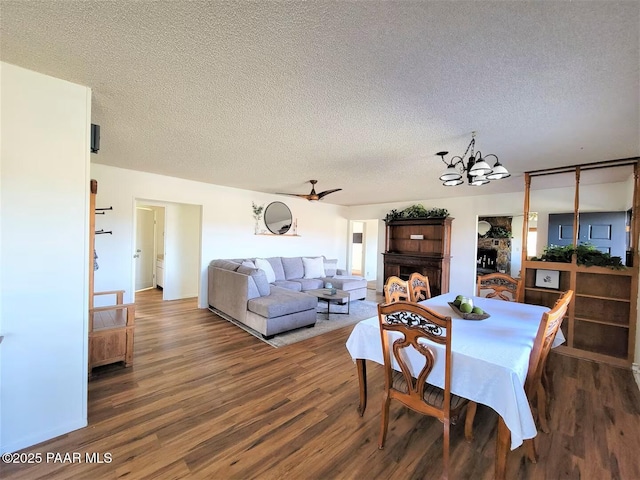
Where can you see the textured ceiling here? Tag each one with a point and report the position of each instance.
(359, 95)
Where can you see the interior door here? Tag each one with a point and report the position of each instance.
(144, 247)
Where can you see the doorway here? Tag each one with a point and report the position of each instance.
(363, 251)
(357, 250)
(499, 245)
(175, 234)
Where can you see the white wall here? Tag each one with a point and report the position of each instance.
(182, 251)
(227, 224)
(44, 256)
(516, 245)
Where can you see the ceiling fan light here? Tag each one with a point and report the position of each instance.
(498, 172)
(450, 174)
(479, 168)
(453, 183)
(479, 180)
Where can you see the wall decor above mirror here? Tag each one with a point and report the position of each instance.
(277, 218)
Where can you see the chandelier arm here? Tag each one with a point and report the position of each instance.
(492, 155)
(459, 163)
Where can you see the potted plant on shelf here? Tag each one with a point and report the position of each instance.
(257, 215)
(586, 254)
(416, 211)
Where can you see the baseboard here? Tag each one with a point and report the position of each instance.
(42, 436)
(636, 373)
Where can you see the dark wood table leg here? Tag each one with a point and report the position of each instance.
(503, 443)
(362, 381)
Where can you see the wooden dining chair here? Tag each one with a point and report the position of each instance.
(500, 286)
(544, 387)
(533, 387)
(419, 287)
(415, 322)
(396, 289)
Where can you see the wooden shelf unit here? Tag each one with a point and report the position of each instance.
(602, 313)
(601, 320)
(429, 255)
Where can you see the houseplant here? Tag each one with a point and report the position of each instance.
(586, 254)
(257, 215)
(416, 211)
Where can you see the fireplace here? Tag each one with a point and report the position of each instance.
(487, 260)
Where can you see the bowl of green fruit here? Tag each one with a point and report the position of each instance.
(464, 307)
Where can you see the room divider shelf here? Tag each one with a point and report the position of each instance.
(602, 311)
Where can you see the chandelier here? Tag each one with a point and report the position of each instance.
(477, 170)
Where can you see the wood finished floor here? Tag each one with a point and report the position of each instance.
(205, 400)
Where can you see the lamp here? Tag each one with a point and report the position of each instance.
(478, 171)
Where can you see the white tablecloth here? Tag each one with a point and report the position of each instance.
(490, 357)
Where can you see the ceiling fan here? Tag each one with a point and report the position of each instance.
(313, 196)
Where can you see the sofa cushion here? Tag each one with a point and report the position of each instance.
(293, 267)
(347, 282)
(276, 264)
(289, 285)
(313, 267)
(259, 277)
(330, 267)
(281, 302)
(225, 264)
(309, 283)
(265, 266)
(248, 263)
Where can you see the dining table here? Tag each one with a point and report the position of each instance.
(490, 360)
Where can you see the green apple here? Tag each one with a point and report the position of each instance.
(466, 307)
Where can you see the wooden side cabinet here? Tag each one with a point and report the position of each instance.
(419, 245)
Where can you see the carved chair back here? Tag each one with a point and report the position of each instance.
(396, 289)
(419, 287)
(500, 286)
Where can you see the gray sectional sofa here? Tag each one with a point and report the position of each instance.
(267, 295)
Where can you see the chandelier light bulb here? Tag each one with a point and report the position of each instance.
(479, 180)
(498, 172)
(450, 174)
(453, 183)
(479, 168)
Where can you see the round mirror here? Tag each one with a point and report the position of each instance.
(277, 218)
(483, 227)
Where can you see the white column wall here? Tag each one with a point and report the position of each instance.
(44, 256)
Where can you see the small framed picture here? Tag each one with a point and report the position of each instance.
(548, 279)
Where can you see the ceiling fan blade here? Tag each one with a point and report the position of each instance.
(327, 192)
(294, 194)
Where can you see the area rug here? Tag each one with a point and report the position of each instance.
(358, 310)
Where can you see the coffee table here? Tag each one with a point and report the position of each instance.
(325, 294)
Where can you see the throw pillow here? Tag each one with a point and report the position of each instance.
(248, 263)
(330, 267)
(313, 267)
(259, 278)
(264, 265)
